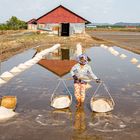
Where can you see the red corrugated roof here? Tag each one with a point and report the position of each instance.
(31, 21)
(61, 14)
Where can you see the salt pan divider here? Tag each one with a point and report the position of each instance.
(138, 66)
(123, 56)
(2, 82)
(7, 76)
(134, 60)
(15, 70)
(78, 49)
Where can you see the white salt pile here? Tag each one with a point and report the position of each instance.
(105, 47)
(102, 45)
(134, 60)
(101, 105)
(15, 70)
(2, 81)
(6, 76)
(62, 101)
(22, 67)
(116, 53)
(111, 49)
(43, 53)
(28, 64)
(123, 56)
(78, 49)
(37, 58)
(6, 114)
(138, 66)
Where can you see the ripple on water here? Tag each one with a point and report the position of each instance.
(107, 123)
(47, 121)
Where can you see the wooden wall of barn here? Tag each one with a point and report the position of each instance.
(55, 28)
(32, 27)
(77, 28)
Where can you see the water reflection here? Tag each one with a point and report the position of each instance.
(106, 122)
(79, 120)
(79, 124)
(53, 118)
(58, 62)
(34, 88)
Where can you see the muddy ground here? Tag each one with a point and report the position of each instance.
(14, 42)
(124, 39)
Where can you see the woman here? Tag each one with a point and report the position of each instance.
(81, 73)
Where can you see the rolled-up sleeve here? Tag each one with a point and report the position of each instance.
(91, 73)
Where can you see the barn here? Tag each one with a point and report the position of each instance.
(61, 21)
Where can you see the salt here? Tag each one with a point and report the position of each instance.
(60, 102)
(7, 76)
(6, 113)
(101, 105)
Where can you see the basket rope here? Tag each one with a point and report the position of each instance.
(102, 83)
(61, 80)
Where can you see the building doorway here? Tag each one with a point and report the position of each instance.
(65, 27)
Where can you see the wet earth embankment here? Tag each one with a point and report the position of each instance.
(12, 43)
(124, 39)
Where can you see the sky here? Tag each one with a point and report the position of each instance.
(96, 11)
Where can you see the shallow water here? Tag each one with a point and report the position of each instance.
(36, 119)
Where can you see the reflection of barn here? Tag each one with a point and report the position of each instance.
(62, 54)
(58, 67)
(58, 62)
(60, 21)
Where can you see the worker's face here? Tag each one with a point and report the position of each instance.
(83, 61)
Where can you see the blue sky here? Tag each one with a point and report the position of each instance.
(99, 11)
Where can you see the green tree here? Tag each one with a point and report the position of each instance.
(13, 24)
(3, 27)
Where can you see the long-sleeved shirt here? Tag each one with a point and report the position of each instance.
(83, 73)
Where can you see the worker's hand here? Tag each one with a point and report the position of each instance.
(98, 80)
(75, 77)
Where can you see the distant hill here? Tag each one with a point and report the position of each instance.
(100, 24)
(126, 24)
(115, 24)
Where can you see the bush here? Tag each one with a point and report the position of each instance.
(13, 24)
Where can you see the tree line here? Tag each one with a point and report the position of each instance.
(13, 24)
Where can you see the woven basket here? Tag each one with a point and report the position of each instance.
(9, 102)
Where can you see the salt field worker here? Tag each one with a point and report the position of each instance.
(81, 73)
